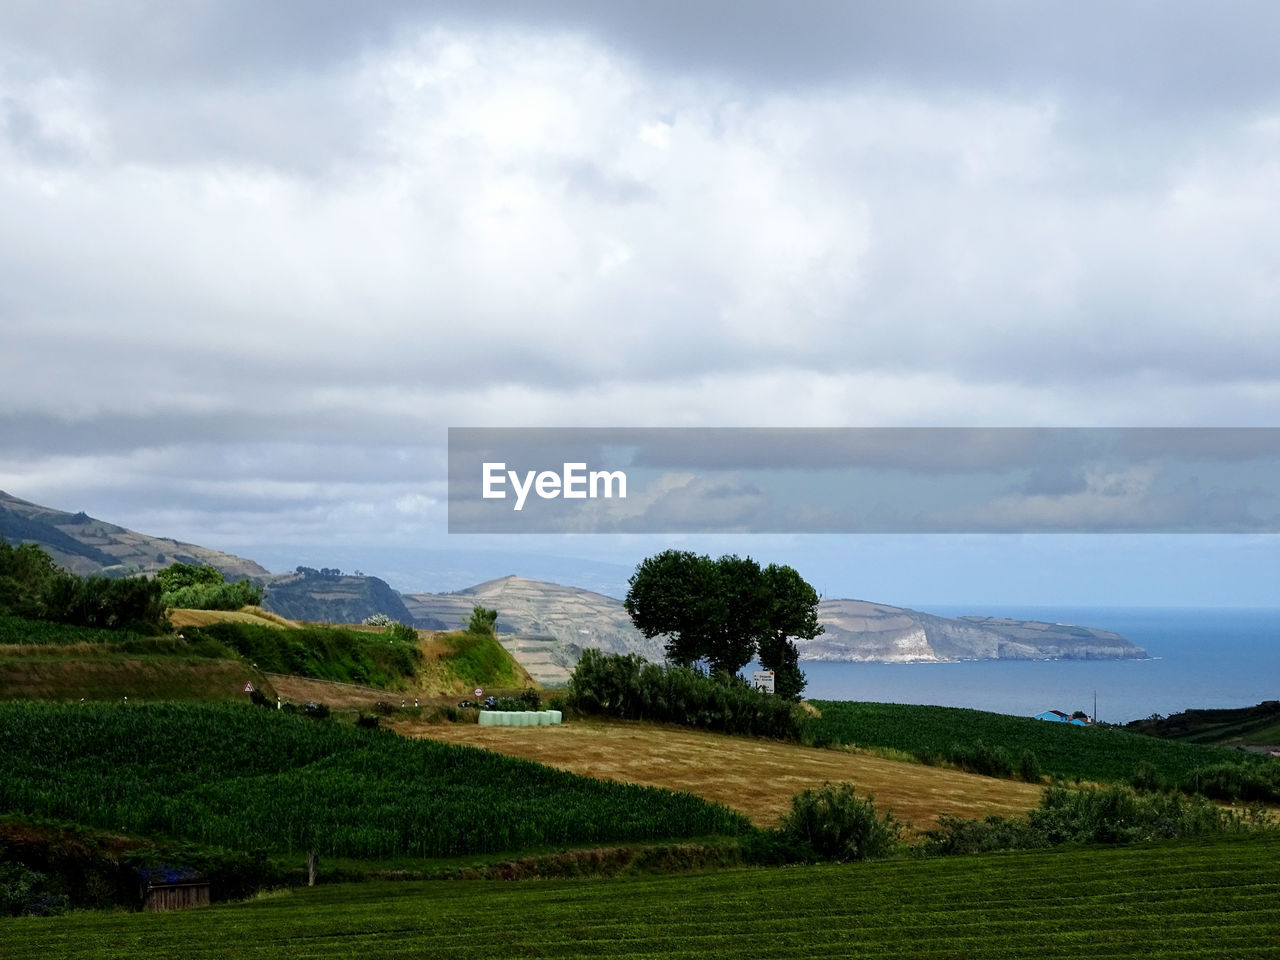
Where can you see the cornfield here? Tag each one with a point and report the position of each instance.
(246, 778)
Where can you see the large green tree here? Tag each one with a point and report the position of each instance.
(724, 612)
(673, 594)
(26, 576)
(793, 613)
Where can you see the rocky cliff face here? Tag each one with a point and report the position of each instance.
(331, 598)
(859, 630)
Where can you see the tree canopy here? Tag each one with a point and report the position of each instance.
(724, 612)
(201, 587)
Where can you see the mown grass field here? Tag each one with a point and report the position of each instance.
(1097, 754)
(1207, 900)
(757, 777)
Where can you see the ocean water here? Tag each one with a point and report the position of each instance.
(1199, 657)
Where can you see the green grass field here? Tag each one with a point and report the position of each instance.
(1100, 754)
(1212, 900)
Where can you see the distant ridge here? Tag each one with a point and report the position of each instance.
(546, 626)
(85, 545)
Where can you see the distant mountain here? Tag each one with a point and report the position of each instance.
(546, 626)
(543, 625)
(858, 630)
(330, 596)
(85, 545)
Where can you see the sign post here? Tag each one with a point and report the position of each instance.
(762, 680)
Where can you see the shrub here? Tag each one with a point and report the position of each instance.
(1233, 781)
(378, 620)
(222, 596)
(837, 824)
(530, 698)
(482, 621)
(1029, 767)
(980, 758)
(133, 602)
(1147, 778)
(401, 633)
(632, 688)
(26, 892)
(959, 836)
(1115, 815)
(200, 587)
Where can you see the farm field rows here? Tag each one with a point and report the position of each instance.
(757, 777)
(1098, 754)
(1202, 900)
(244, 777)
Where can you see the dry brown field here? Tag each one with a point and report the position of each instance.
(755, 776)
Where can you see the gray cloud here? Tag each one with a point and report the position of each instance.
(250, 252)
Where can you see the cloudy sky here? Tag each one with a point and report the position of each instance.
(256, 259)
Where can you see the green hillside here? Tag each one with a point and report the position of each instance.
(1258, 724)
(85, 545)
(951, 734)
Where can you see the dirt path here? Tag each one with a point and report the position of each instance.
(757, 777)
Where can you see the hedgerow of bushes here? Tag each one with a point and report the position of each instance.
(192, 586)
(632, 688)
(33, 587)
(47, 868)
(1114, 815)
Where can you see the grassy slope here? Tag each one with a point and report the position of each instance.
(1091, 753)
(1178, 901)
(55, 661)
(1259, 724)
(58, 662)
(460, 662)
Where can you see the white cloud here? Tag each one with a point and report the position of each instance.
(499, 225)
